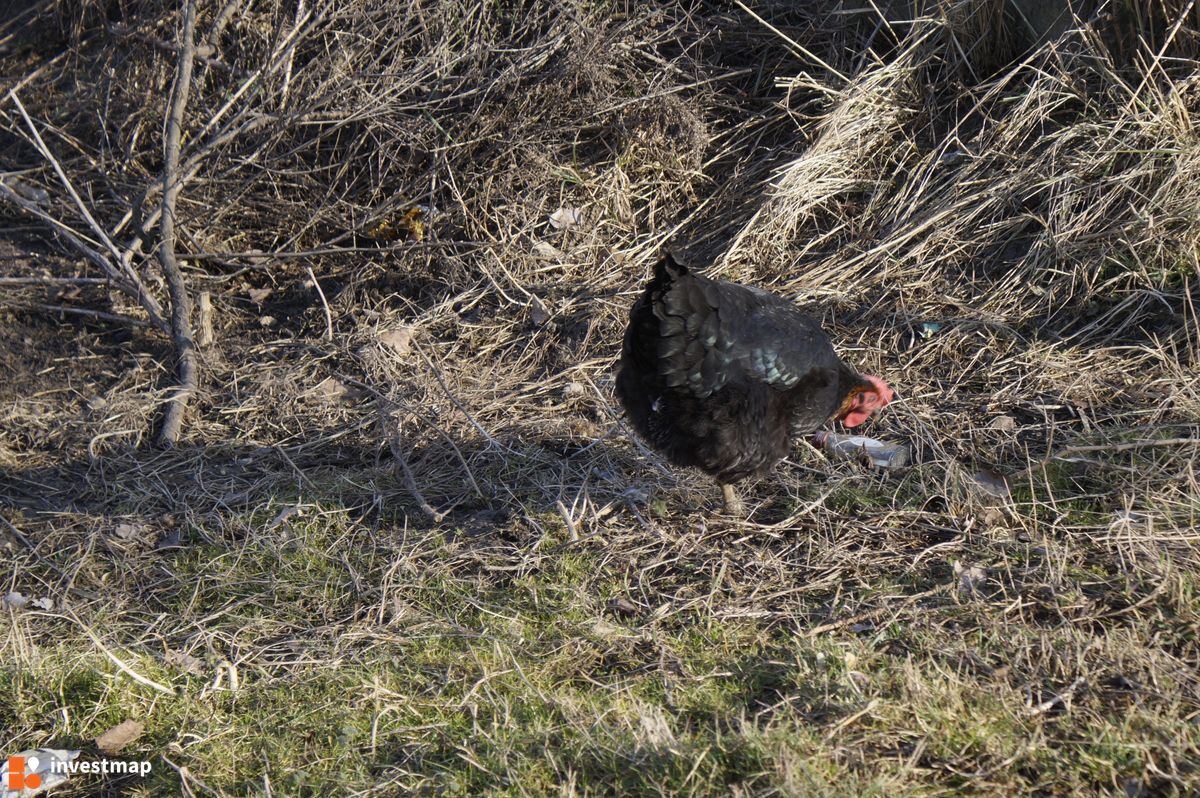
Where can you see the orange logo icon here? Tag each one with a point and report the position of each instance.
(17, 780)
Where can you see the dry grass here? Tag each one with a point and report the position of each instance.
(407, 545)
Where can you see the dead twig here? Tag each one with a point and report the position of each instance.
(126, 280)
(324, 303)
(392, 431)
(437, 375)
(187, 779)
(130, 672)
(1067, 452)
(206, 336)
(62, 176)
(50, 280)
(572, 530)
(1124, 447)
(222, 19)
(204, 56)
(1061, 698)
(91, 314)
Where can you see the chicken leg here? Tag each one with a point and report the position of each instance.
(733, 503)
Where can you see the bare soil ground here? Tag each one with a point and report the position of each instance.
(406, 544)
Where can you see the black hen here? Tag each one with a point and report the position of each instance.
(720, 376)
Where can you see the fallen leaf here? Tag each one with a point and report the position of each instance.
(170, 539)
(257, 295)
(538, 311)
(410, 224)
(603, 628)
(185, 662)
(1003, 424)
(119, 736)
(35, 194)
(1133, 788)
(858, 679)
(583, 428)
(413, 223)
(635, 496)
(566, 218)
(992, 517)
(970, 580)
(547, 251)
(129, 531)
(572, 389)
(334, 390)
(399, 339)
(284, 515)
(991, 483)
(623, 606)
(383, 230)
(15, 601)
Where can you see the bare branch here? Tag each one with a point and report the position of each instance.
(205, 56)
(181, 301)
(391, 429)
(324, 303)
(91, 314)
(126, 280)
(62, 175)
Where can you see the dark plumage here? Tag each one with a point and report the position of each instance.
(720, 376)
